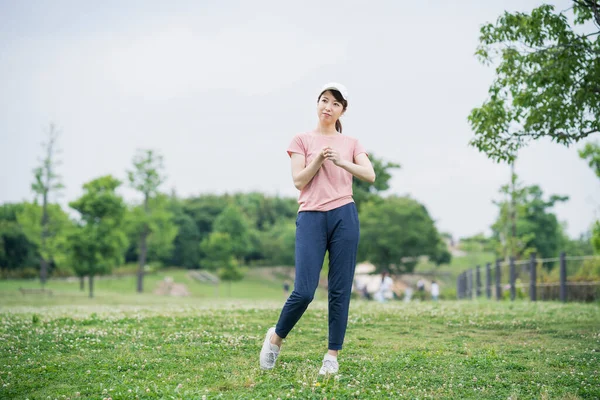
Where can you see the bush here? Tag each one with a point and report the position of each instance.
(62, 272)
(545, 276)
(132, 269)
(448, 293)
(520, 292)
(419, 295)
(588, 272)
(20, 273)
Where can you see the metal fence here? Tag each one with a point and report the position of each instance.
(575, 278)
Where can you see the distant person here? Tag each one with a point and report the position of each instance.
(435, 290)
(420, 285)
(362, 290)
(286, 289)
(365, 292)
(324, 163)
(385, 288)
(408, 292)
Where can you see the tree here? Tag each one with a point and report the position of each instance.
(549, 235)
(161, 227)
(263, 214)
(218, 249)
(152, 216)
(99, 242)
(581, 246)
(233, 223)
(395, 232)
(57, 228)
(441, 255)
(279, 243)
(547, 82)
(537, 229)
(47, 182)
(510, 241)
(185, 252)
(256, 213)
(16, 251)
(230, 272)
(477, 243)
(596, 237)
(366, 191)
(204, 210)
(591, 153)
(263, 211)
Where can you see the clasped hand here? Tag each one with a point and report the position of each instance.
(327, 153)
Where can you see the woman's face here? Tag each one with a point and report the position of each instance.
(329, 109)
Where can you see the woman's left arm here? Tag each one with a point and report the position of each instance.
(360, 168)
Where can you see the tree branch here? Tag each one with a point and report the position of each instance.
(594, 5)
(571, 136)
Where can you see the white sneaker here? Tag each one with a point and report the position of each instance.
(330, 365)
(269, 352)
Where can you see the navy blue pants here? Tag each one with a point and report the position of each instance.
(336, 231)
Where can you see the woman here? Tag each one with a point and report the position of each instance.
(323, 163)
(435, 290)
(385, 288)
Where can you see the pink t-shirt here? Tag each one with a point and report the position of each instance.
(331, 187)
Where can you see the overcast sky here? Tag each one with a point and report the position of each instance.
(219, 88)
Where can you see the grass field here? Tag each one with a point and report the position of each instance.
(458, 264)
(122, 345)
(259, 284)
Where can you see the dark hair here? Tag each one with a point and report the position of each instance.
(384, 273)
(338, 96)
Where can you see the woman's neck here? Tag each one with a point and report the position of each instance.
(327, 130)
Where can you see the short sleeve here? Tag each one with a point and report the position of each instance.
(296, 146)
(358, 149)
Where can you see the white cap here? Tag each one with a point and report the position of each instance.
(336, 86)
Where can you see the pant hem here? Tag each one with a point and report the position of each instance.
(277, 333)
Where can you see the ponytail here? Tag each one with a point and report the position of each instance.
(338, 126)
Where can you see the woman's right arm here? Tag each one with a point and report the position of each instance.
(302, 173)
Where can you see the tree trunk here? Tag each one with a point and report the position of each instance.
(513, 211)
(142, 260)
(91, 285)
(43, 261)
(82, 283)
(43, 270)
(45, 182)
(143, 248)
